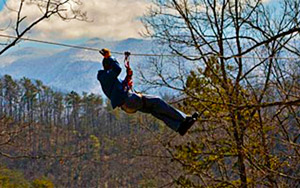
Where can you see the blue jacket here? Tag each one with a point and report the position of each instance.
(111, 85)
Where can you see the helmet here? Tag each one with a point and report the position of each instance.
(105, 51)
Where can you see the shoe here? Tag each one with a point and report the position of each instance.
(187, 123)
(195, 115)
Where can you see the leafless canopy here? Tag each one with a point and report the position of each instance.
(243, 75)
(62, 9)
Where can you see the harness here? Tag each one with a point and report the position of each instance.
(127, 82)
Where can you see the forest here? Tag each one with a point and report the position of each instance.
(50, 138)
(235, 62)
(72, 140)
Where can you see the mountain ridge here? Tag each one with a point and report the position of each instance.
(69, 69)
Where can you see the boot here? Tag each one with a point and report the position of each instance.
(187, 123)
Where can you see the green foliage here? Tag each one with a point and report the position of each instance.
(42, 183)
(185, 182)
(12, 179)
(95, 146)
(15, 179)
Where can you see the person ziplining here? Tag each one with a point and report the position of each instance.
(122, 95)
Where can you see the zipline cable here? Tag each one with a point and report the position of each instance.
(76, 46)
(133, 54)
(54, 43)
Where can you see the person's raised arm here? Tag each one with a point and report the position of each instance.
(110, 64)
(115, 67)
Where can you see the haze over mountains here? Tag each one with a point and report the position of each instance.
(69, 69)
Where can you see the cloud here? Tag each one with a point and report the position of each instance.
(113, 19)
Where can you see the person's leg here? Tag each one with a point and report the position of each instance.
(173, 118)
(173, 124)
(163, 111)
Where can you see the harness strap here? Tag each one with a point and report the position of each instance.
(126, 59)
(127, 83)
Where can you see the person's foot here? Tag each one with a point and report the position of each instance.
(195, 115)
(187, 123)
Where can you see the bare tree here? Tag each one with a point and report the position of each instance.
(244, 79)
(62, 9)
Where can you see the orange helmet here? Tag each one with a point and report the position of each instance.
(105, 52)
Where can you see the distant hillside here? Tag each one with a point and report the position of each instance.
(69, 69)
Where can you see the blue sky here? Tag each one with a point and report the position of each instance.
(1, 4)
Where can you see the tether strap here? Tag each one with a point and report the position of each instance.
(127, 83)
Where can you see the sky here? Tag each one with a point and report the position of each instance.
(108, 19)
(1, 5)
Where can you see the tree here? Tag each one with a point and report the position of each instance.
(243, 84)
(63, 9)
(28, 98)
(105, 148)
(10, 94)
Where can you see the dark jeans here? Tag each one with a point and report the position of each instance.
(155, 106)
